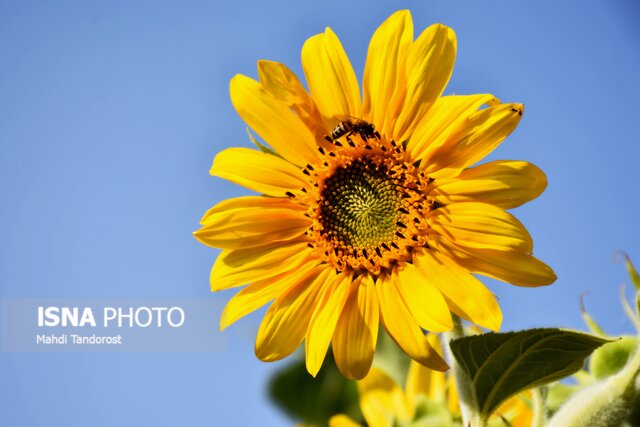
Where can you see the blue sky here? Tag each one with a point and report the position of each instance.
(110, 114)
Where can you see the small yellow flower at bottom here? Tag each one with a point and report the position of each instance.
(427, 395)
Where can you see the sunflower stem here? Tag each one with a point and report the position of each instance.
(539, 406)
(468, 402)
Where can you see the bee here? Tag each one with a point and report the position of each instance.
(349, 126)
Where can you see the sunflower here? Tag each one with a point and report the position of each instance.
(369, 210)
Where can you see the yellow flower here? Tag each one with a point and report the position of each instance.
(517, 410)
(384, 403)
(369, 210)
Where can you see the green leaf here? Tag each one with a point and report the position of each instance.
(315, 400)
(502, 365)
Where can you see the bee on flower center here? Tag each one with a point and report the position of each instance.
(349, 126)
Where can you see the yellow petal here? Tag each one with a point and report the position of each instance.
(466, 295)
(503, 183)
(237, 267)
(382, 400)
(446, 114)
(403, 328)
(425, 381)
(479, 225)
(473, 139)
(258, 171)
(429, 66)
(517, 410)
(354, 341)
(324, 320)
(283, 84)
(286, 321)
(330, 76)
(384, 72)
(259, 293)
(437, 386)
(343, 421)
(515, 267)
(273, 121)
(452, 395)
(424, 300)
(249, 202)
(252, 221)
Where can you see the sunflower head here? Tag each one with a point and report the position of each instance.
(366, 203)
(372, 210)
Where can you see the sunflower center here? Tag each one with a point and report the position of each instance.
(369, 206)
(360, 204)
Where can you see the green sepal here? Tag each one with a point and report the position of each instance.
(633, 273)
(610, 359)
(261, 146)
(593, 326)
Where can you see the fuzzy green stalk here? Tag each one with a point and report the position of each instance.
(604, 404)
(468, 401)
(539, 406)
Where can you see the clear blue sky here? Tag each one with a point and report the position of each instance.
(110, 114)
